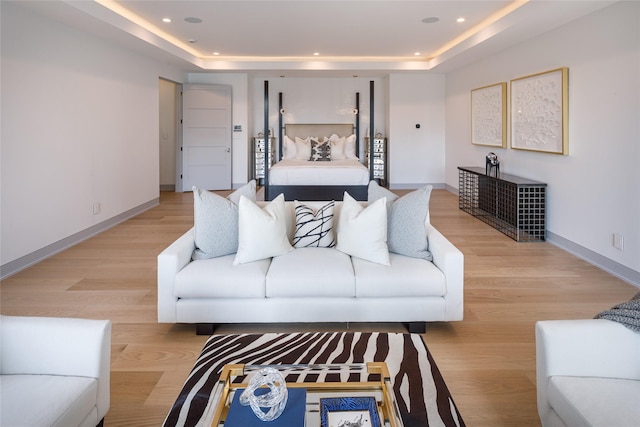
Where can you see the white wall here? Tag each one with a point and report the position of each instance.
(416, 156)
(79, 127)
(595, 190)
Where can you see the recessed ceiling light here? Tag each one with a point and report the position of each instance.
(216, 53)
(417, 54)
(193, 20)
(192, 40)
(167, 20)
(460, 20)
(430, 20)
(316, 53)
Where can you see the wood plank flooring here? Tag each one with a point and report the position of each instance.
(487, 360)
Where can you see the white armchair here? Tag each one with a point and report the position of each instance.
(588, 373)
(54, 371)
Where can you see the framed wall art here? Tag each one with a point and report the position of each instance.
(489, 115)
(539, 112)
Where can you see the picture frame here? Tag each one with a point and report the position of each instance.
(349, 412)
(489, 115)
(539, 112)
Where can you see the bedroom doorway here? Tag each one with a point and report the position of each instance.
(169, 135)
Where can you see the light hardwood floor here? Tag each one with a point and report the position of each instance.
(487, 360)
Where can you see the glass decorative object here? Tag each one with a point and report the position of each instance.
(274, 400)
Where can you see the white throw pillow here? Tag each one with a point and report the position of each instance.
(350, 147)
(303, 148)
(289, 146)
(262, 232)
(215, 221)
(362, 232)
(337, 147)
(314, 229)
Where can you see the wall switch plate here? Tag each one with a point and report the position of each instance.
(618, 241)
(97, 207)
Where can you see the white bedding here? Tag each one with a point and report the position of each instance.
(304, 172)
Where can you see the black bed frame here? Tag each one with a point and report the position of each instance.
(315, 192)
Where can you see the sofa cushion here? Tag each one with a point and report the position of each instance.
(314, 229)
(46, 400)
(589, 401)
(404, 277)
(406, 219)
(362, 231)
(311, 272)
(262, 232)
(215, 220)
(219, 278)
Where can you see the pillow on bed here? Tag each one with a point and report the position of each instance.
(314, 229)
(303, 148)
(262, 232)
(215, 221)
(350, 147)
(406, 218)
(320, 151)
(362, 231)
(289, 148)
(337, 147)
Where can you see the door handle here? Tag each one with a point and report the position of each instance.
(228, 150)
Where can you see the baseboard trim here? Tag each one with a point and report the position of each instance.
(167, 187)
(615, 268)
(436, 186)
(28, 260)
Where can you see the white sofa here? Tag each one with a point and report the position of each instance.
(588, 373)
(310, 285)
(54, 371)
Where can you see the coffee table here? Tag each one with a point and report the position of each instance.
(320, 381)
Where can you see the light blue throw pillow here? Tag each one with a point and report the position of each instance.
(215, 220)
(406, 217)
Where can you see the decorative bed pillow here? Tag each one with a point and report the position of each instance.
(337, 147)
(215, 221)
(406, 219)
(314, 229)
(320, 151)
(262, 232)
(362, 231)
(350, 147)
(303, 148)
(289, 148)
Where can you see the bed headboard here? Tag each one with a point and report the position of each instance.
(319, 130)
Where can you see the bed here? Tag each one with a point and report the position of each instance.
(329, 172)
(303, 176)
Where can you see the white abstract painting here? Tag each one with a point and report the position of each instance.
(538, 112)
(488, 115)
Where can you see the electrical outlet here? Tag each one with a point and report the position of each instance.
(97, 207)
(618, 241)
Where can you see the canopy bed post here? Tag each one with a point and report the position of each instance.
(372, 130)
(280, 126)
(267, 142)
(357, 126)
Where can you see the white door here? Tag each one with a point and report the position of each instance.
(206, 137)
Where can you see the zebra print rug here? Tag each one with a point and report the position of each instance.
(422, 394)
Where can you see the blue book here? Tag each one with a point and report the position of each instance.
(292, 416)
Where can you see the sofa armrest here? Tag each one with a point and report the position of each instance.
(450, 261)
(583, 348)
(58, 346)
(170, 261)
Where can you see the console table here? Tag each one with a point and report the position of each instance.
(513, 205)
